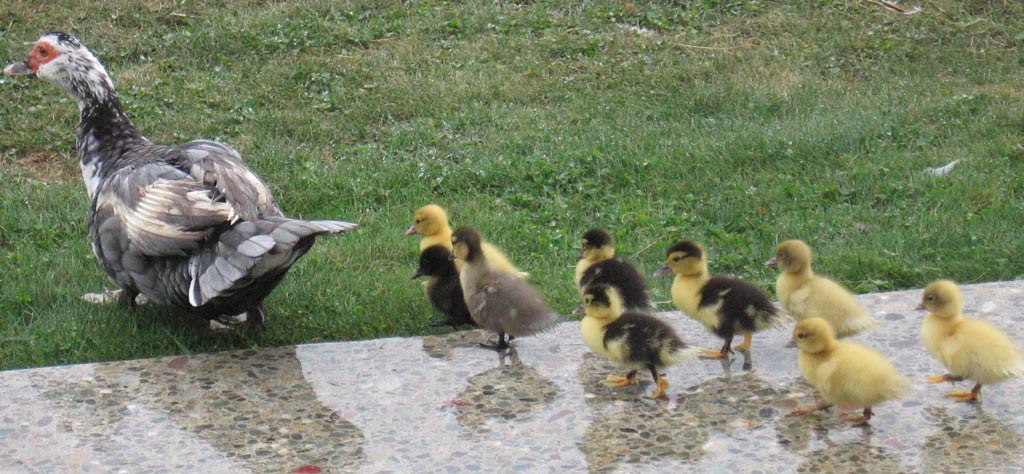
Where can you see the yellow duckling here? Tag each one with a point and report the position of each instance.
(806, 295)
(431, 221)
(726, 306)
(634, 339)
(970, 348)
(844, 372)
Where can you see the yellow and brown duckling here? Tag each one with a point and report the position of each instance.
(443, 287)
(970, 348)
(634, 339)
(498, 300)
(598, 264)
(727, 306)
(805, 295)
(844, 372)
(431, 222)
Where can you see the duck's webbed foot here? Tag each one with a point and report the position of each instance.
(616, 381)
(228, 322)
(121, 297)
(501, 346)
(963, 396)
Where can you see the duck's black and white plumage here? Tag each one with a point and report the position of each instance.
(443, 287)
(598, 264)
(189, 226)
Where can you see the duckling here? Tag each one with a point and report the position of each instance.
(727, 306)
(431, 221)
(633, 339)
(806, 295)
(498, 300)
(970, 348)
(598, 264)
(844, 372)
(443, 288)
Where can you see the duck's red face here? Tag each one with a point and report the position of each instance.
(42, 53)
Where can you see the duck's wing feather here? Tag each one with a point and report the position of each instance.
(221, 167)
(157, 210)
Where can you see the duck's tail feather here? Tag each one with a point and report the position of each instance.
(254, 249)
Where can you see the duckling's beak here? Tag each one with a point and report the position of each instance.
(772, 263)
(18, 69)
(451, 257)
(578, 311)
(664, 270)
(919, 307)
(419, 273)
(791, 344)
(411, 230)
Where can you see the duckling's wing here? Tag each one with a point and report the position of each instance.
(503, 302)
(742, 305)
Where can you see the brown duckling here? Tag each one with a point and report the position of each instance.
(633, 339)
(727, 306)
(498, 300)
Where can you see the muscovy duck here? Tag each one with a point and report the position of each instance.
(189, 226)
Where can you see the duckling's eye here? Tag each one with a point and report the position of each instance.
(801, 335)
(929, 298)
(677, 259)
(588, 300)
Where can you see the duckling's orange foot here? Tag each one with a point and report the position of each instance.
(854, 419)
(745, 345)
(710, 354)
(802, 411)
(806, 410)
(944, 378)
(963, 396)
(659, 393)
(616, 381)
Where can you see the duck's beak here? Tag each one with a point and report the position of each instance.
(411, 230)
(18, 69)
(772, 263)
(919, 307)
(419, 273)
(664, 270)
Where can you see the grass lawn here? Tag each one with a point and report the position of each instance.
(734, 123)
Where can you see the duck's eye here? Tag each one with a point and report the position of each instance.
(43, 52)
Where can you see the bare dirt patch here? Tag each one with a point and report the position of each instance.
(45, 166)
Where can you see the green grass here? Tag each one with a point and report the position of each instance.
(735, 123)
